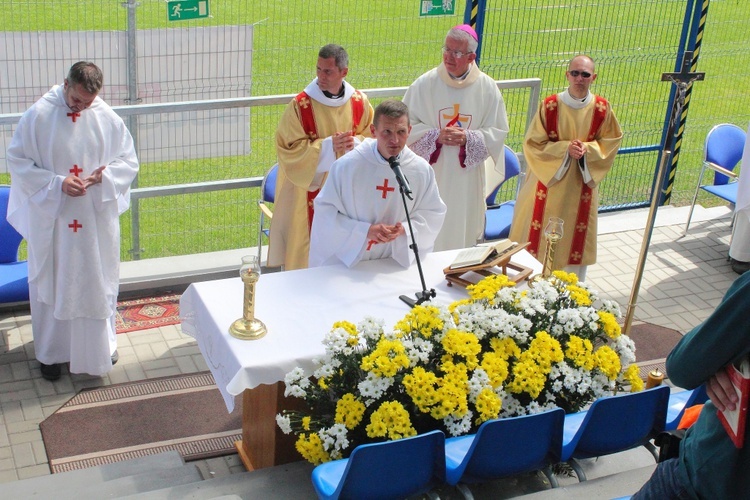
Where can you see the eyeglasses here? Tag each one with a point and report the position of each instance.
(575, 73)
(455, 53)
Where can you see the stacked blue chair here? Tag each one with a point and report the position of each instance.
(14, 275)
(614, 424)
(268, 197)
(497, 217)
(504, 447)
(680, 401)
(392, 469)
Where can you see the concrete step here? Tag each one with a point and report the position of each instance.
(55, 485)
(282, 481)
(604, 488)
(186, 474)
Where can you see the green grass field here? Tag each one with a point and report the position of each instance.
(390, 45)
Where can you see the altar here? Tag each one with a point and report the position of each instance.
(298, 307)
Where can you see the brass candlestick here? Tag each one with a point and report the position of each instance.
(553, 234)
(248, 327)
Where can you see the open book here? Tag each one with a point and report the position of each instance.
(734, 421)
(480, 253)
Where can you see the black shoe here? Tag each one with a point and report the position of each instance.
(738, 266)
(51, 372)
(115, 357)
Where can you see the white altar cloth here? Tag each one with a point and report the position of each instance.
(298, 308)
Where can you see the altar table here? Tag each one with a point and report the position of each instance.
(298, 308)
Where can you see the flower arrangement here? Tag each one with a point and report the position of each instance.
(501, 352)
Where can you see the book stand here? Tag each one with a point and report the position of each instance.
(497, 264)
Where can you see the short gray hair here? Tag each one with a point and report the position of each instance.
(462, 36)
(392, 109)
(336, 52)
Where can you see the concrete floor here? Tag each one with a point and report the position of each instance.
(683, 280)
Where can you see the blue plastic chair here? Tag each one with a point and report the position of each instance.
(504, 447)
(614, 424)
(14, 275)
(680, 401)
(268, 195)
(497, 218)
(721, 153)
(392, 469)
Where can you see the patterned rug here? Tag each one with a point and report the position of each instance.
(110, 424)
(151, 312)
(653, 343)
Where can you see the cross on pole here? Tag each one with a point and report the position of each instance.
(681, 79)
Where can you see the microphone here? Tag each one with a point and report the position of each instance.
(402, 182)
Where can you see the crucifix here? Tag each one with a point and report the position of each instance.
(682, 80)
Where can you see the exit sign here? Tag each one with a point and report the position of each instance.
(437, 7)
(182, 10)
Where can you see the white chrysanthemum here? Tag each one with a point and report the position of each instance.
(334, 439)
(284, 423)
(337, 341)
(611, 307)
(371, 328)
(625, 349)
(325, 371)
(477, 383)
(418, 350)
(296, 383)
(458, 426)
(511, 407)
(373, 387)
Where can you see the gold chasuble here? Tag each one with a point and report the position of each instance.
(300, 142)
(557, 185)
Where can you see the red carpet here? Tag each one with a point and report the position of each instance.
(152, 312)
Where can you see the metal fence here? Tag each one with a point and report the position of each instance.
(390, 44)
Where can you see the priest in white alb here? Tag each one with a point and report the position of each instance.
(460, 125)
(71, 162)
(359, 213)
(569, 149)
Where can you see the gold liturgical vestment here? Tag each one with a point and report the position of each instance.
(554, 184)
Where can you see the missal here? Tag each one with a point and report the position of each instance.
(480, 253)
(734, 421)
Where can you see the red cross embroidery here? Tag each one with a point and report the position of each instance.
(385, 188)
(75, 170)
(74, 116)
(75, 226)
(370, 244)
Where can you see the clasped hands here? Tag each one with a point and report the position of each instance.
(75, 186)
(383, 233)
(452, 136)
(342, 142)
(576, 149)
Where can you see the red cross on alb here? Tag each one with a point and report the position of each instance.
(75, 170)
(384, 188)
(73, 116)
(75, 226)
(370, 244)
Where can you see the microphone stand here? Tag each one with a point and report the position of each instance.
(425, 294)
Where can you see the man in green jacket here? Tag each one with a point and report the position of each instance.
(709, 465)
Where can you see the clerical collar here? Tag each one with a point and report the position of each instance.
(462, 77)
(335, 96)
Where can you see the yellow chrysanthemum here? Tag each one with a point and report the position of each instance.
(633, 376)
(608, 362)
(388, 357)
(545, 350)
(311, 448)
(496, 367)
(390, 420)
(487, 288)
(567, 278)
(581, 352)
(579, 295)
(527, 377)
(463, 344)
(349, 411)
(420, 385)
(505, 347)
(488, 405)
(609, 324)
(424, 320)
(306, 423)
(322, 383)
(351, 329)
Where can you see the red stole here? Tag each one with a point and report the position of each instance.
(307, 118)
(584, 202)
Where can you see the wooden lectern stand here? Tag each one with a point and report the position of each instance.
(493, 265)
